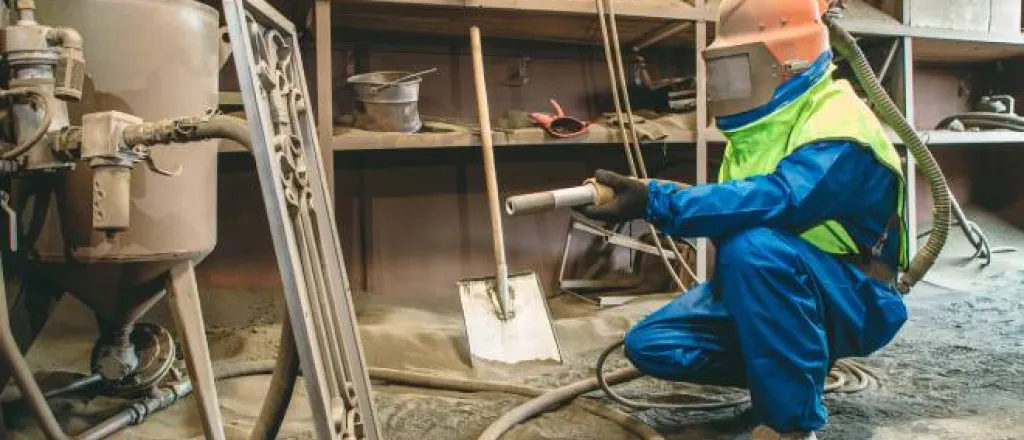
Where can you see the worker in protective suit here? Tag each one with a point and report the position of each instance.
(807, 219)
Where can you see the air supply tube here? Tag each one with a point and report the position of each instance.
(845, 45)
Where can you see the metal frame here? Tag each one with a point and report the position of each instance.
(296, 196)
(703, 126)
(581, 224)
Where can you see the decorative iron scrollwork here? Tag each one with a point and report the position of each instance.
(291, 177)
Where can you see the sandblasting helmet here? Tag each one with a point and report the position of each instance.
(759, 45)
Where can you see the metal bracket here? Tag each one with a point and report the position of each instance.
(588, 283)
(292, 178)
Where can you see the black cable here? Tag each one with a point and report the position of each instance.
(617, 398)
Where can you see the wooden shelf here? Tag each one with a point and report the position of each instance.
(562, 21)
(574, 21)
(528, 137)
(651, 9)
(946, 137)
(932, 137)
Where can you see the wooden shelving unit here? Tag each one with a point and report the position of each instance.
(575, 21)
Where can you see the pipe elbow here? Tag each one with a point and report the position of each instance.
(66, 38)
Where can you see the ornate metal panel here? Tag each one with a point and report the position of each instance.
(302, 222)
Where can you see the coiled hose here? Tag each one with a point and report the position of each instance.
(36, 95)
(889, 113)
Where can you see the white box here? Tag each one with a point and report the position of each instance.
(1006, 17)
(961, 15)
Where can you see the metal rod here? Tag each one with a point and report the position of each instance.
(634, 154)
(487, 142)
(615, 94)
(403, 79)
(660, 35)
(311, 291)
(884, 71)
(11, 355)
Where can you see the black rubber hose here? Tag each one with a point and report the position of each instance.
(606, 387)
(887, 110)
(39, 97)
(279, 395)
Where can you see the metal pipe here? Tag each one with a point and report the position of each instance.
(67, 38)
(74, 387)
(26, 10)
(590, 193)
(138, 311)
(189, 129)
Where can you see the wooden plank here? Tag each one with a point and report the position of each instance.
(188, 318)
(598, 135)
(499, 24)
(946, 137)
(664, 9)
(947, 51)
(325, 88)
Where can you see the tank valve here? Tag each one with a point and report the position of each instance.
(112, 162)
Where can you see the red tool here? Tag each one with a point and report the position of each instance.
(560, 125)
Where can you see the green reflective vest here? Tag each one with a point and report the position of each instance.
(830, 110)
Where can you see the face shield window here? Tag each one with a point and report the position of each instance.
(729, 78)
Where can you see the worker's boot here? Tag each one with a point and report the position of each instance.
(766, 433)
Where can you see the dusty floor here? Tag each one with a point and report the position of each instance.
(953, 373)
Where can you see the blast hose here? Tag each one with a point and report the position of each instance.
(887, 111)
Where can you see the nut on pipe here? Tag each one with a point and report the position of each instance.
(590, 193)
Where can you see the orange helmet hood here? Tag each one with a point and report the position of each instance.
(779, 40)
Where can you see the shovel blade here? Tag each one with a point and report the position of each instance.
(526, 337)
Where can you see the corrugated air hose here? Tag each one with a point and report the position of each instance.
(889, 113)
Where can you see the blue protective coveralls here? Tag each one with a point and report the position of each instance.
(779, 311)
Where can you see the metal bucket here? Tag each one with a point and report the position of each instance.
(394, 109)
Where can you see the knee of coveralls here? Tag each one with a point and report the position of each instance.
(691, 339)
(772, 295)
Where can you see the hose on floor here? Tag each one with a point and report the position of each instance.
(405, 378)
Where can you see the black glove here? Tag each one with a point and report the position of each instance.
(630, 202)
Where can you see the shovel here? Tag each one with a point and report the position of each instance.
(507, 318)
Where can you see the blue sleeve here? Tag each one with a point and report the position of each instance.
(818, 182)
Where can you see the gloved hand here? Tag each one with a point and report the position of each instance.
(630, 202)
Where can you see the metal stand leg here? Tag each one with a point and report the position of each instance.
(188, 318)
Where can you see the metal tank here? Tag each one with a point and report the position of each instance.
(155, 59)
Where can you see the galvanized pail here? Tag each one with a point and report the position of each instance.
(393, 108)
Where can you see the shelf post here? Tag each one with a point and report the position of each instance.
(702, 129)
(904, 94)
(325, 90)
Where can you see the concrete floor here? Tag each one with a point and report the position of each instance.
(953, 373)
